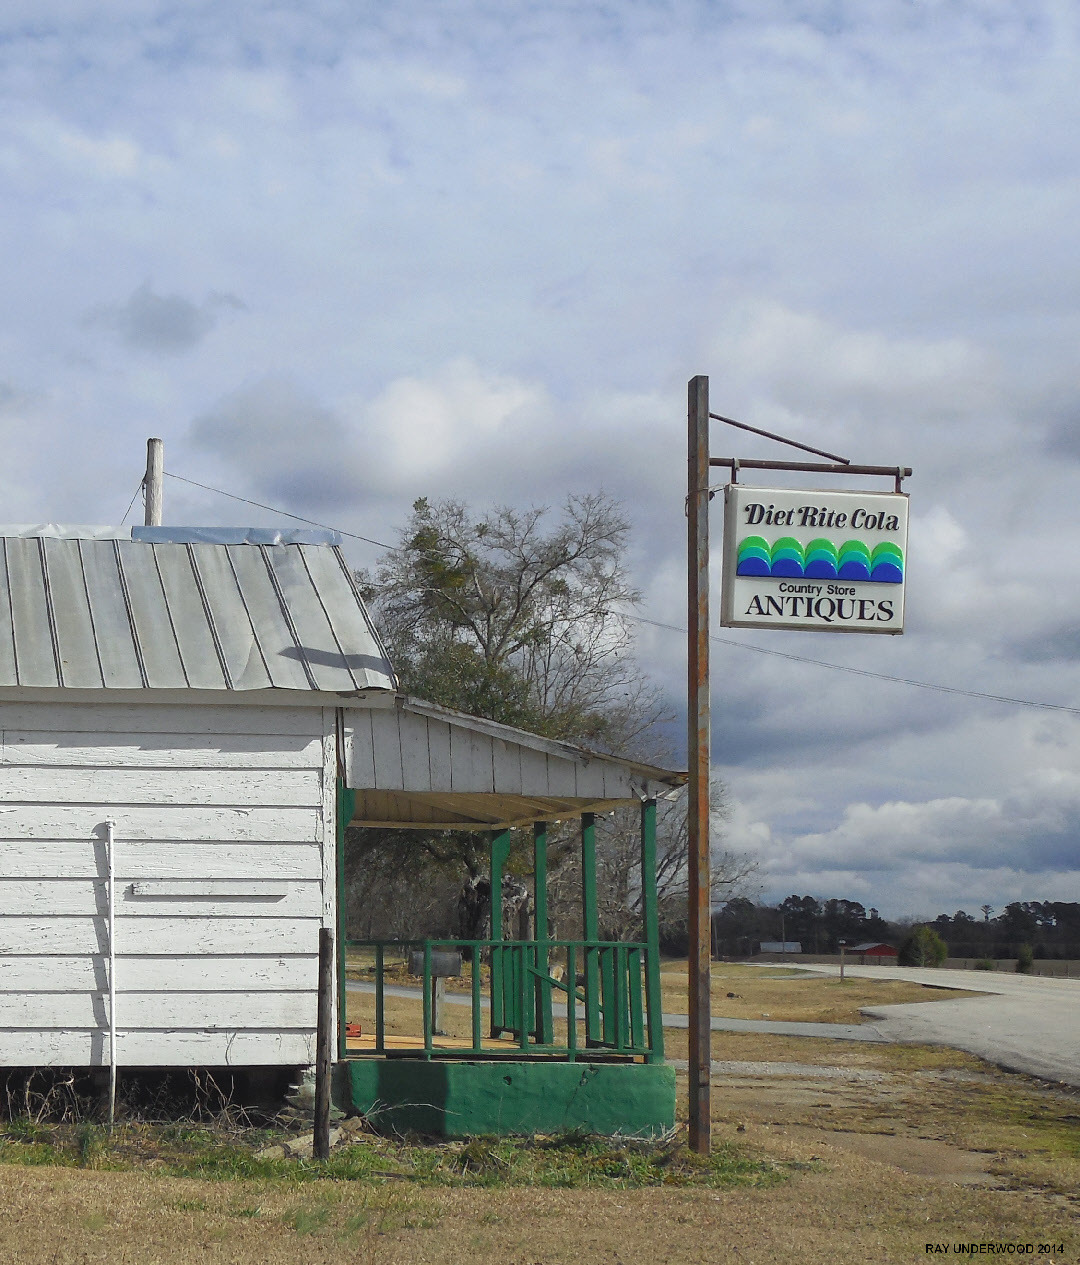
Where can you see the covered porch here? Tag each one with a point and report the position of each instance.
(516, 1032)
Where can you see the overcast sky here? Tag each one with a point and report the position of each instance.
(341, 255)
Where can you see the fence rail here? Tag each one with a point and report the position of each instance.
(540, 995)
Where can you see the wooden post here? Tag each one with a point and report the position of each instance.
(698, 756)
(324, 1045)
(590, 919)
(500, 854)
(545, 1027)
(152, 486)
(651, 931)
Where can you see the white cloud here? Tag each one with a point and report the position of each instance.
(481, 259)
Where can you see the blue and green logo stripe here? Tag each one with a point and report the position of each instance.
(821, 560)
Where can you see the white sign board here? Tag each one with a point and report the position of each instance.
(832, 561)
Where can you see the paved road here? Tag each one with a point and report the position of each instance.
(1024, 1023)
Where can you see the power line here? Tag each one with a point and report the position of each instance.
(132, 501)
(273, 509)
(656, 623)
(877, 676)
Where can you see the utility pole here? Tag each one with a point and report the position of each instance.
(698, 755)
(152, 483)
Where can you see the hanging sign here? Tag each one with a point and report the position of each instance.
(829, 561)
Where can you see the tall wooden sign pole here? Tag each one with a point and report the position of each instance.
(698, 752)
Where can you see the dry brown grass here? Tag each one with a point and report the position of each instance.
(793, 996)
(882, 1156)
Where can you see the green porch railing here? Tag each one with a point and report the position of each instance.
(601, 984)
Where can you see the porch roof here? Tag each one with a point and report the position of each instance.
(415, 765)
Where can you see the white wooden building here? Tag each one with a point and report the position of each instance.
(200, 697)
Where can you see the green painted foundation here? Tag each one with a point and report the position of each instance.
(459, 1099)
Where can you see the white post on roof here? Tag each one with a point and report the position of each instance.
(110, 845)
(152, 484)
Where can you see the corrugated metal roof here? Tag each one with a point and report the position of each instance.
(195, 611)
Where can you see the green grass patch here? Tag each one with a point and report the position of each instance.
(569, 1161)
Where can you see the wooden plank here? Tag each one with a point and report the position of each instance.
(48, 821)
(159, 1010)
(198, 1048)
(439, 767)
(359, 749)
(73, 749)
(162, 859)
(534, 773)
(65, 897)
(506, 760)
(562, 776)
(386, 743)
(190, 973)
(148, 718)
(590, 779)
(209, 889)
(56, 785)
(236, 932)
(470, 761)
(415, 767)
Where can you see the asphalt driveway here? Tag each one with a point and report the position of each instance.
(1024, 1023)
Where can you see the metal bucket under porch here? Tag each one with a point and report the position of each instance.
(536, 1035)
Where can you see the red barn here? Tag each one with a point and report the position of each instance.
(874, 953)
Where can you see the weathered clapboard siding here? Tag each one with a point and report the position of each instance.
(158, 859)
(233, 933)
(229, 824)
(180, 974)
(278, 1009)
(104, 786)
(223, 848)
(29, 1047)
(28, 898)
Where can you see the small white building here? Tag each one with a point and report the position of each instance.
(200, 703)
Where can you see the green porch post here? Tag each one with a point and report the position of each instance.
(591, 926)
(651, 919)
(346, 806)
(500, 853)
(545, 1028)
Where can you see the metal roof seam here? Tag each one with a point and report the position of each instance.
(50, 613)
(329, 620)
(287, 614)
(169, 617)
(251, 621)
(10, 613)
(350, 577)
(90, 612)
(218, 648)
(140, 658)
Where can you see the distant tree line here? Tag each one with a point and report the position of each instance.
(1048, 929)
